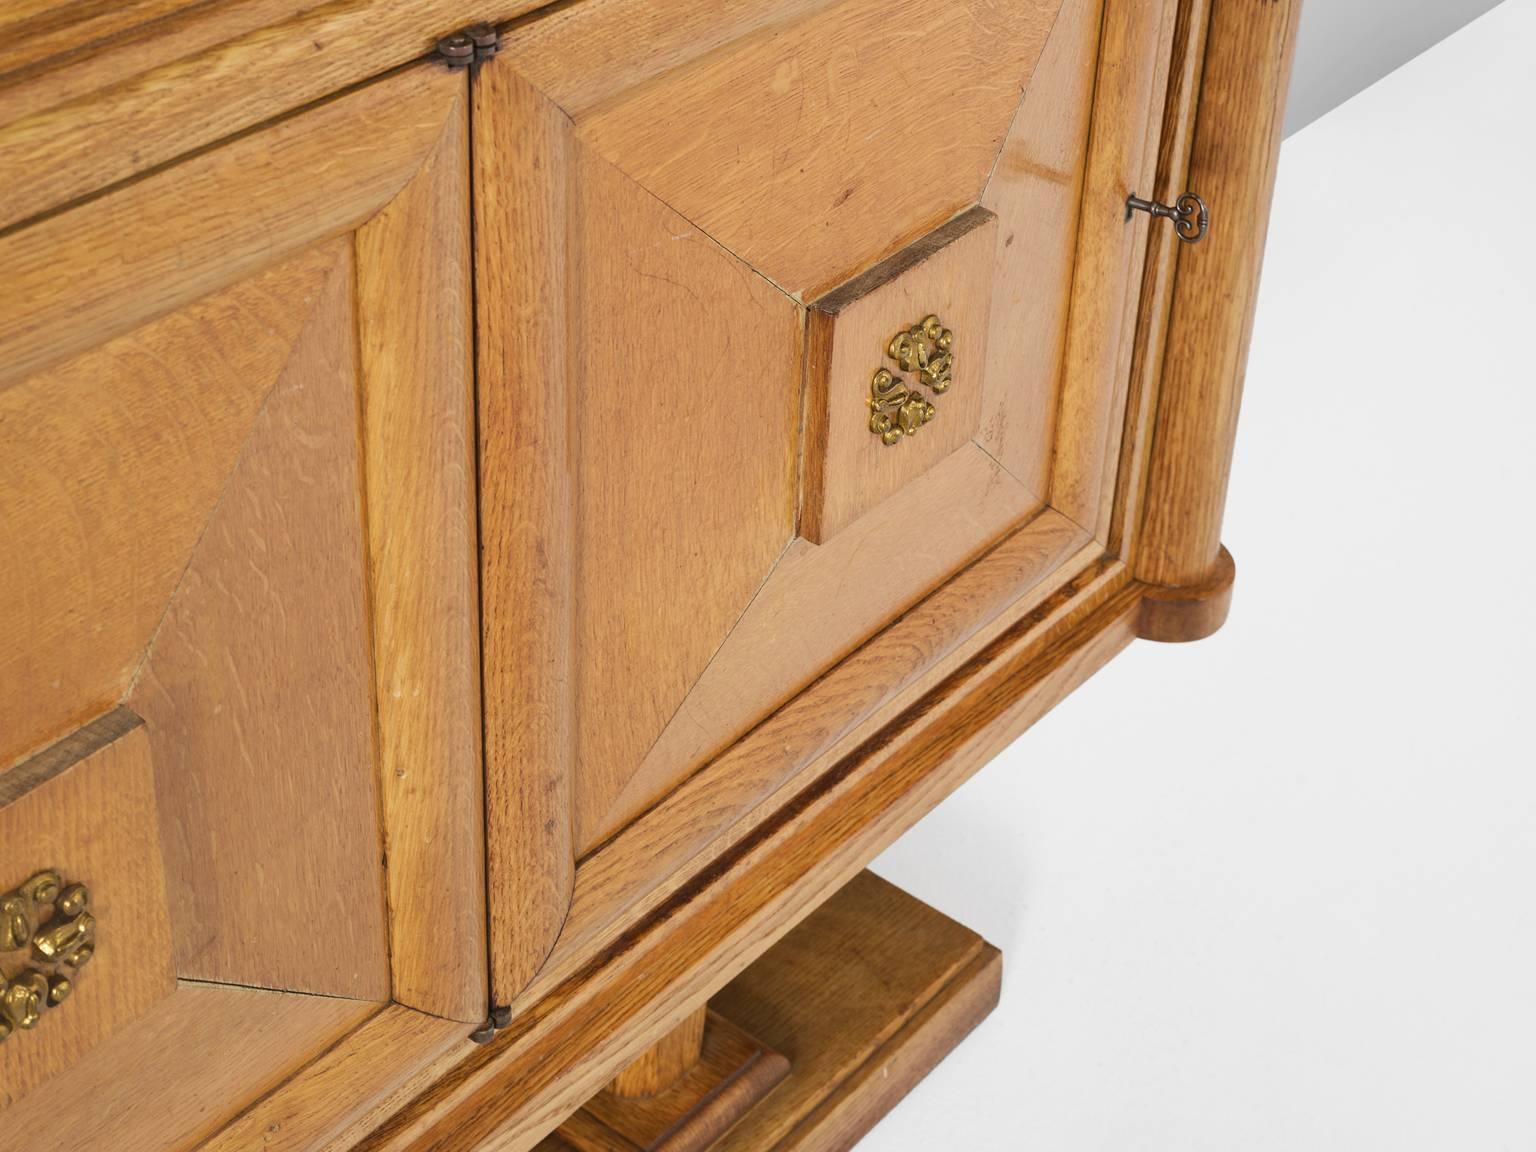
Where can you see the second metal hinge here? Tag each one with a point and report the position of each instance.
(469, 46)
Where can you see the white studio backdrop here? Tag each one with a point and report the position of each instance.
(1345, 46)
(1273, 892)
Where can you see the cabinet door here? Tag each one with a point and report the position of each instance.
(804, 335)
(239, 693)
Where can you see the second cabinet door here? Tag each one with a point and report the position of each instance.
(788, 313)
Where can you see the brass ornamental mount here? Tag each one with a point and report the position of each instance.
(898, 408)
(51, 921)
(1191, 218)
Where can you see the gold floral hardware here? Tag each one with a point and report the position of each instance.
(898, 409)
(52, 922)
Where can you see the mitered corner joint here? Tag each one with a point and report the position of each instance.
(469, 46)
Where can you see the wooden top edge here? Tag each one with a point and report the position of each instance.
(87, 116)
(904, 261)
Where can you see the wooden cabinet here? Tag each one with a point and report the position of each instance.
(488, 550)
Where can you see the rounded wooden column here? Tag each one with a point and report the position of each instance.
(1232, 166)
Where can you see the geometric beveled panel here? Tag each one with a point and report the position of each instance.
(809, 139)
(262, 659)
(111, 464)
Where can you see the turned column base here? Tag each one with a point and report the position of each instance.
(1181, 615)
(817, 1040)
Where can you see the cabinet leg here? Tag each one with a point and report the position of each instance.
(664, 1063)
(813, 1043)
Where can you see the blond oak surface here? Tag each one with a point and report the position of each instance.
(629, 874)
(731, 125)
(257, 696)
(1036, 192)
(665, 1062)
(170, 1081)
(527, 514)
(1122, 155)
(130, 104)
(848, 469)
(678, 527)
(729, 1076)
(642, 253)
(89, 814)
(551, 1059)
(333, 1101)
(804, 619)
(1187, 62)
(1234, 151)
(78, 279)
(416, 361)
(95, 543)
(868, 993)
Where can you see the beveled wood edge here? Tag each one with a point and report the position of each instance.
(893, 1070)
(899, 263)
(623, 879)
(446, 1094)
(1234, 151)
(53, 267)
(344, 1091)
(1189, 37)
(92, 121)
(562, 1048)
(423, 598)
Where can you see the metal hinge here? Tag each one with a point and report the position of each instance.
(469, 46)
(497, 1020)
(1191, 219)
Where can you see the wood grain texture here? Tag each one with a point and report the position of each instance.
(341, 1095)
(258, 698)
(522, 152)
(730, 1075)
(1187, 612)
(733, 126)
(619, 879)
(1036, 191)
(415, 327)
(1122, 156)
(665, 1062)
(80, 278)
(111, 464)
(1188, 56)
(632, 568)
(870, 992)
(677, 526)
(848, 470)
(1232, 163)
(91, 818)
(822, 601)
(509, 1093)
(168, 1082)
(130, 107)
